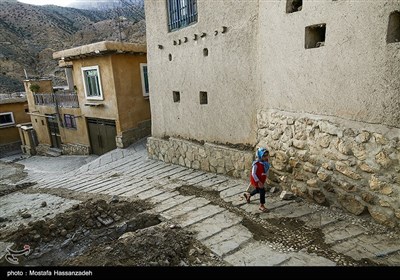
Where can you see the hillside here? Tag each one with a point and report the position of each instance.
(30, 34)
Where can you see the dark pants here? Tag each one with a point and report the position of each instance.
(261, 192)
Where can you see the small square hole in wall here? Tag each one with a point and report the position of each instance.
(203, 97)
(393, 31)
(176, 96)
(35, 120)
(315, 36)
(293, 6)
(205, 52)
(42, 122)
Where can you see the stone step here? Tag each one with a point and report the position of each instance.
(53, 152)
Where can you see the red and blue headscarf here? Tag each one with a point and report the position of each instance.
(259, 154)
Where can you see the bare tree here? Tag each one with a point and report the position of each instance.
(126, 10)
(133, 9)
(123, 13)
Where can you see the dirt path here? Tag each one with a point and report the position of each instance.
(101, 230)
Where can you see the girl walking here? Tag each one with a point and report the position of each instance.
(258, 177)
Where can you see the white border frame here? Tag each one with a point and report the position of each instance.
(12, 117)
(96, 67)
(145, 94)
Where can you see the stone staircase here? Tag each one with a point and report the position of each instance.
(130, 173)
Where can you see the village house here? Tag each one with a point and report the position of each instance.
(13, 108)
(316, 82)
(105, 106)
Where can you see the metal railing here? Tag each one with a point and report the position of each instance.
(66, 100)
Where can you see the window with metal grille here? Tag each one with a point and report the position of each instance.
(181, 13)
(92, 82)
(69, 121)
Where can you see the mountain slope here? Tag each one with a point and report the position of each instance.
(29, 35)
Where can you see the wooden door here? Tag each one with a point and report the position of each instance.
(102, 135)
(54, 131)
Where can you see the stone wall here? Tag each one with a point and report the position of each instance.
(207, 157)
(75, 149)
(42, 149)
(352, 165)
(130, 136)
(10, 147)
(28, 150)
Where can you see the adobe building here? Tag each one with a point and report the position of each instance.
(13, 111)
(105, 106)
(316, 82)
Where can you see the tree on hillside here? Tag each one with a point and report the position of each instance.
(133, 9)
(127, 10)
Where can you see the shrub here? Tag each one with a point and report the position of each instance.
(34, 87)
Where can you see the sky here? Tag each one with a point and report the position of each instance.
(62, 3)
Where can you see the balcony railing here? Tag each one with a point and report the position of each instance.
(67, 100)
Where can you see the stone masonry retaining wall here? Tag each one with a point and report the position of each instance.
(208, 157)
(42, 149)
(67, 149)
(9, 147)
(352, 165)
(75, 149)
(130, 136)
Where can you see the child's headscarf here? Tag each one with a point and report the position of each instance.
(259, 153)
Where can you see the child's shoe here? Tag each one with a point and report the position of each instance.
(247, 196)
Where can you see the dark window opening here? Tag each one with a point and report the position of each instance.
(170, 57)
(203, 97)
(393, 31)
(42, 122)
(6, 119)
(145, 79)
(176, 96)
(205, 52)
(181, 13)
(315, 36)
(294, 6)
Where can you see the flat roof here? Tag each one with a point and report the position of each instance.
(100, 48)
(12, 100)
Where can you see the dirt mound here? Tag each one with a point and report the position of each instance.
(108, 233)
(10, 173)
(159, 245)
